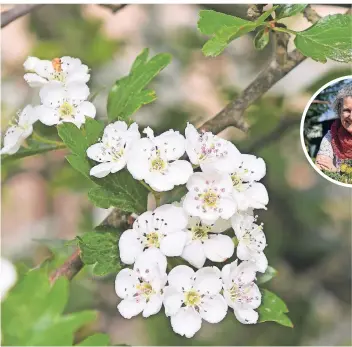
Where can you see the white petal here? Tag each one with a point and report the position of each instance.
(130, 246)
(242, 221)
(144, 223)
(47, 115)
(173, 244)
(255, 167)
(173, 300)
(228, 207)
(192, 137)
(99, 152)
(180, 277)
(221, 225)
(208, 280)
(118, 125)
(261, 262)
(226, 272)
(34, 80)
(12, 140)
(219, 248)
(197, 181)
(186, 322)
(52, 95)
(86, 109)
(77, 92)
(243, 252)
(213, 309)
(158, 181)
(129, 308)
(31, 63)
(244, 273)
(101, 170)
(180, 171)
(153, 306)
(28, 116)
(194, 254)
(248, 316)
(8, 277)
(172, 143)
(137, 160)
(125, 283)
(175, 217)
(44, 68)
(150, 258)
(257, 196)
(253, 297)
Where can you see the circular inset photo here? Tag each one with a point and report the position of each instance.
(326, 131)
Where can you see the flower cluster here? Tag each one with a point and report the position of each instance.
(222, 195)
(63, 95)
(214, 218)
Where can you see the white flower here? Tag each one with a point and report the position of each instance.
(247, 192)
(17, 133)
(155, 160)
(191, 297)
(210, 151)
(62, 71)
(205, 242)
(141, 291)
(251, 239)
(209, 196)
(163, 229)
(240, 292)
(65, 104)
(8, 277)
(112, 150)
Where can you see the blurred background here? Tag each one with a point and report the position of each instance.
(308, 221)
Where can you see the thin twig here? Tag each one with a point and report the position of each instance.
(16, 12)
(113, 8)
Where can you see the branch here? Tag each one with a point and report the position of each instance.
(113, 8)
(311, 14)
(16, 12)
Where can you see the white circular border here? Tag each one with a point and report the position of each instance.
(302, 130)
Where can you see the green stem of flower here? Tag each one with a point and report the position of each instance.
(157, 196)
(44, 140)
(146, 186)
(284, 30)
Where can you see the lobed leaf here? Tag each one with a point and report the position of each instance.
(273, 309)
(101, 250)
(329, 38)
(129, 94)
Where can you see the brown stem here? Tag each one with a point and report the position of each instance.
(311, 15)
(16, 12)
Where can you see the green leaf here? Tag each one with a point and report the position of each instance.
(96, 340)
(73, 138)
(26, 152)
(80, 164)
(329, 38)
(103, 198)
(267, 275)
(101, 250)
(284, 11)
(261, 39)
(210, 22)
(273, 309)
(32, 313)
(128, 93)
(94, 130)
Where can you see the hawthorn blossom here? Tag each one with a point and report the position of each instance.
(18, 132)
(205, 242)
(61, 71)
(156, 160)
(191, 297)
(141, 291)
(111, 152)
(8, 277)
(162, 229)
(68, 104)
(210, 151)
(209, 196)
(251, 239)
(247, 192)
(240, 291)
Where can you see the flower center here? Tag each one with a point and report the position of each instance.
(192, 298)
(157, 164)
(235, 292)
(210, 198)
(210, 147)
(240, 293)
(152, 239)
(66, 110)
(200, 232)
(145, 289)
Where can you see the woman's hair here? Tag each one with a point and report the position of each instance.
(341, 94)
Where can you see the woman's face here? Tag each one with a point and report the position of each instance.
(346, 114)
